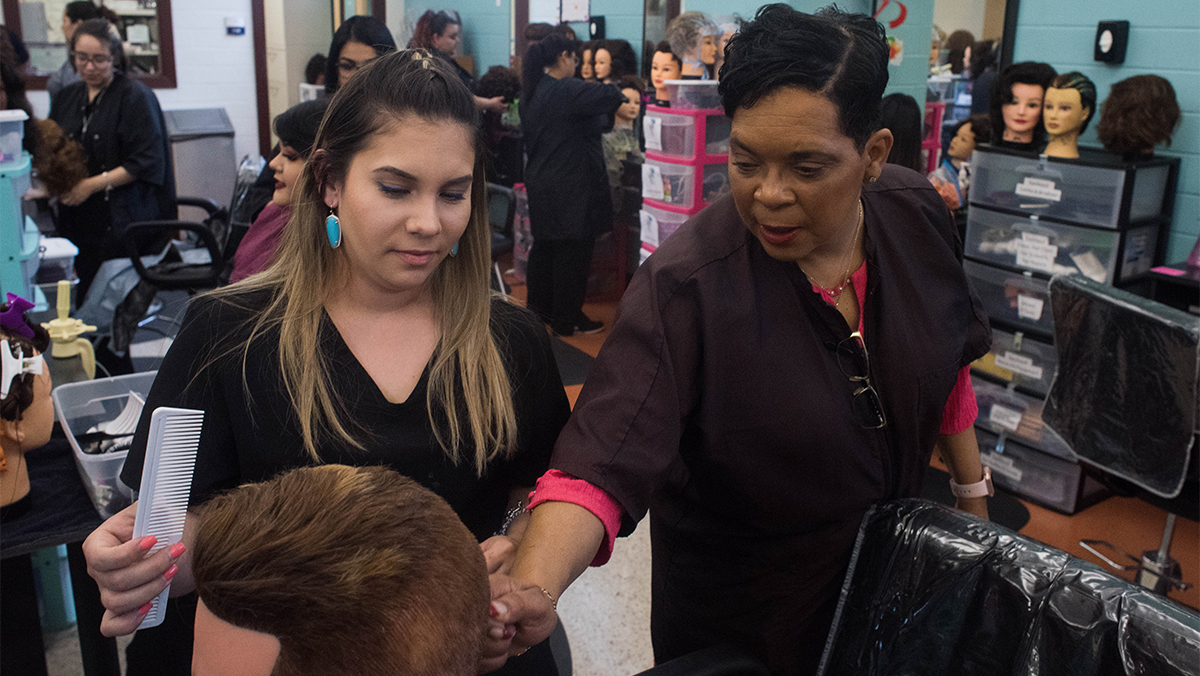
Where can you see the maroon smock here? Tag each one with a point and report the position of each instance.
(717, 403)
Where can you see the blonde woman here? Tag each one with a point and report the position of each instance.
(372, 340)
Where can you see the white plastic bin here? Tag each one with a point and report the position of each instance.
(668, 183)
(12, 134)
(81, 406)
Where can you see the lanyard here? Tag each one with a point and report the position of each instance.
(90, 109)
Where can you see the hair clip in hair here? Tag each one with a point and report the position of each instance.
(13, 319)
(11, 367)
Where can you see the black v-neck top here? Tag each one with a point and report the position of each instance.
(250, 433)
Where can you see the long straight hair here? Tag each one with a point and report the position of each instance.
(469, 396)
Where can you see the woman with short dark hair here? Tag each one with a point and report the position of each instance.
(735, 400)
(118, 121)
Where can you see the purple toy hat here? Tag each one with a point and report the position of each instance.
(13, 319)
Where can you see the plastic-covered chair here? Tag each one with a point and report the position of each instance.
(1125, 399)
(932, 590)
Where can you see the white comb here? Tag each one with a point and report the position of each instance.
(166, 485)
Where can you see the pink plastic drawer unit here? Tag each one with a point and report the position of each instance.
(698, 136)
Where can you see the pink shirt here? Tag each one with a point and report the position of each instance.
(257, 248)
(958, 415)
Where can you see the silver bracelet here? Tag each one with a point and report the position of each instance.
(511, 516)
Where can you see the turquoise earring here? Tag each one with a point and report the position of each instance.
(333, 229)
(454, 249)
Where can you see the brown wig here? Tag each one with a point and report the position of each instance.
(62, 163)
(354, 570)
(1139, 113)
(957, 45)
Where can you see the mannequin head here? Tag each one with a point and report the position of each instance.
(980, 57)
(692, 36)
(958, 43)
(664, 65)
(1139, 113)
(1016, 105)
(613, 60)
(632, 88)
(336, 570)
(969, 133)
(903, 117)
(26, 410)
(1066, 111)
(727, 31)
(587, 61)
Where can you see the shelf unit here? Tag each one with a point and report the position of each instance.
(686, 168)
(1031, 217)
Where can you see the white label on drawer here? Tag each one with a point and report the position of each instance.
(652, 126)
(1029, 307)
(1040, 188)
(1036, 252)
(1001, 465)
(1091, 266)
(649, 228)
(1005, 417)
(652, 182)
(1019, 363)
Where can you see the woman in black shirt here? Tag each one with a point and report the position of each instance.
(569, 203)
(119, 123)
(373, 338)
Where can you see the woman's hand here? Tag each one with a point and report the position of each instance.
(520, 616)
(79, 194)
(499, 551)
(128, 579)
(495, 104)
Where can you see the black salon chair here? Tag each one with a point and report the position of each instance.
(1125, 399)
(932, 590)
(502, 208)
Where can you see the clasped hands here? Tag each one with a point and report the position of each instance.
(520, 615)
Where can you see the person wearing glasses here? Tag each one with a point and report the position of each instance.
(118, 121)
(359, 40)
(791, 356)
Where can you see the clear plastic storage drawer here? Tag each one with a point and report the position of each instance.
(1058, 484)
(1027, 362)
(673, 135)
(1042, 246)
(1013, 297)
(659, 224)
(1091, 195)
(1019, 415)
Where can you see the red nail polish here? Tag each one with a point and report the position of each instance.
(147, 543)
(177, 550)
(171, 572)
(145, 608)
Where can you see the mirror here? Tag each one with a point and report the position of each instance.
(144, 25)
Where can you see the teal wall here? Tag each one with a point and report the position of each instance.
(1163, 40)
(486, 29)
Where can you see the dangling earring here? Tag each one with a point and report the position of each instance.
(454, 249)
(333, 229)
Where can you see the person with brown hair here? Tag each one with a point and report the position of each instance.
(372, 339)
(336, 571)
(1139, 113)
(441, 33)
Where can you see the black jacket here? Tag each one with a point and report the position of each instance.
(565, 178)
(125, 128)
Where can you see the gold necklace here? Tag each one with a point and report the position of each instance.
(836, 291)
